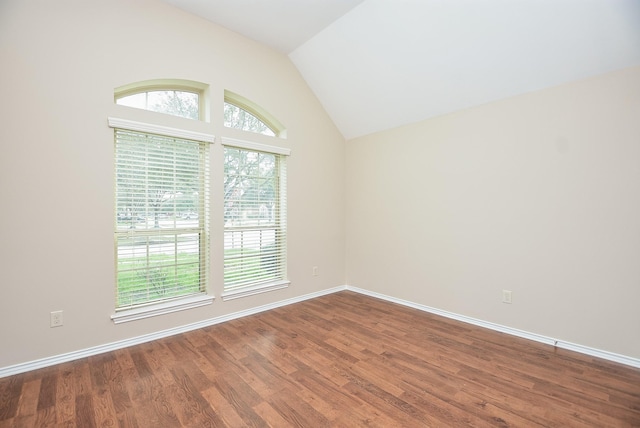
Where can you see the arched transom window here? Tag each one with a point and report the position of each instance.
(241, 113)
(183, 98)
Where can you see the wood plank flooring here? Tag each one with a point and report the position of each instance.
(342, 360)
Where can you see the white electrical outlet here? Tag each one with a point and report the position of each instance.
(56, 319)
(506, 296)
(314, 271)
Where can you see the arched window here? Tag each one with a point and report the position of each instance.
(161, 201)
(241, 113)
(255, 202)
(183, 98)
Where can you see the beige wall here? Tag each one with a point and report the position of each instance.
(538, 194)
(60, 64)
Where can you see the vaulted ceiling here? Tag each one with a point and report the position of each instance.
(380, 64)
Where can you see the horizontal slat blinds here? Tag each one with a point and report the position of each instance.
(161, 201)
(255, 239)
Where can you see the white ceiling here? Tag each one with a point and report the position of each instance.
(282, 24)
(379, 64)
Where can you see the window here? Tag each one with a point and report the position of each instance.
(162, 201)
(241, 113)
(176, 103)
(255, 218)
(181, 98)
(161, 183)
(235, 117)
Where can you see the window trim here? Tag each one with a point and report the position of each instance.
(182, 302)
(132, 125)
(167, 307)
(250, 145)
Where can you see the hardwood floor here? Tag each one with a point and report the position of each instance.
(342, 360)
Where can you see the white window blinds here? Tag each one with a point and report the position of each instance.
(255, 238)
(161, 213)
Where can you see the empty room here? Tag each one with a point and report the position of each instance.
(316, 213)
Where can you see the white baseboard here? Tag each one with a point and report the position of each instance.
(606, 355)
(95, 350)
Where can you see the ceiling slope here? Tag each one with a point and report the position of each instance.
(281, 24)
(389, 63)
(380, 64)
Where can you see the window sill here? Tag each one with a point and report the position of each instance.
(258, 289)
(161, 308)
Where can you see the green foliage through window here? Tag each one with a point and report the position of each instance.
(161, 189)
(254, 218)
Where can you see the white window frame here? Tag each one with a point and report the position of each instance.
(161, 85)
(253, 289)
(179, 303)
